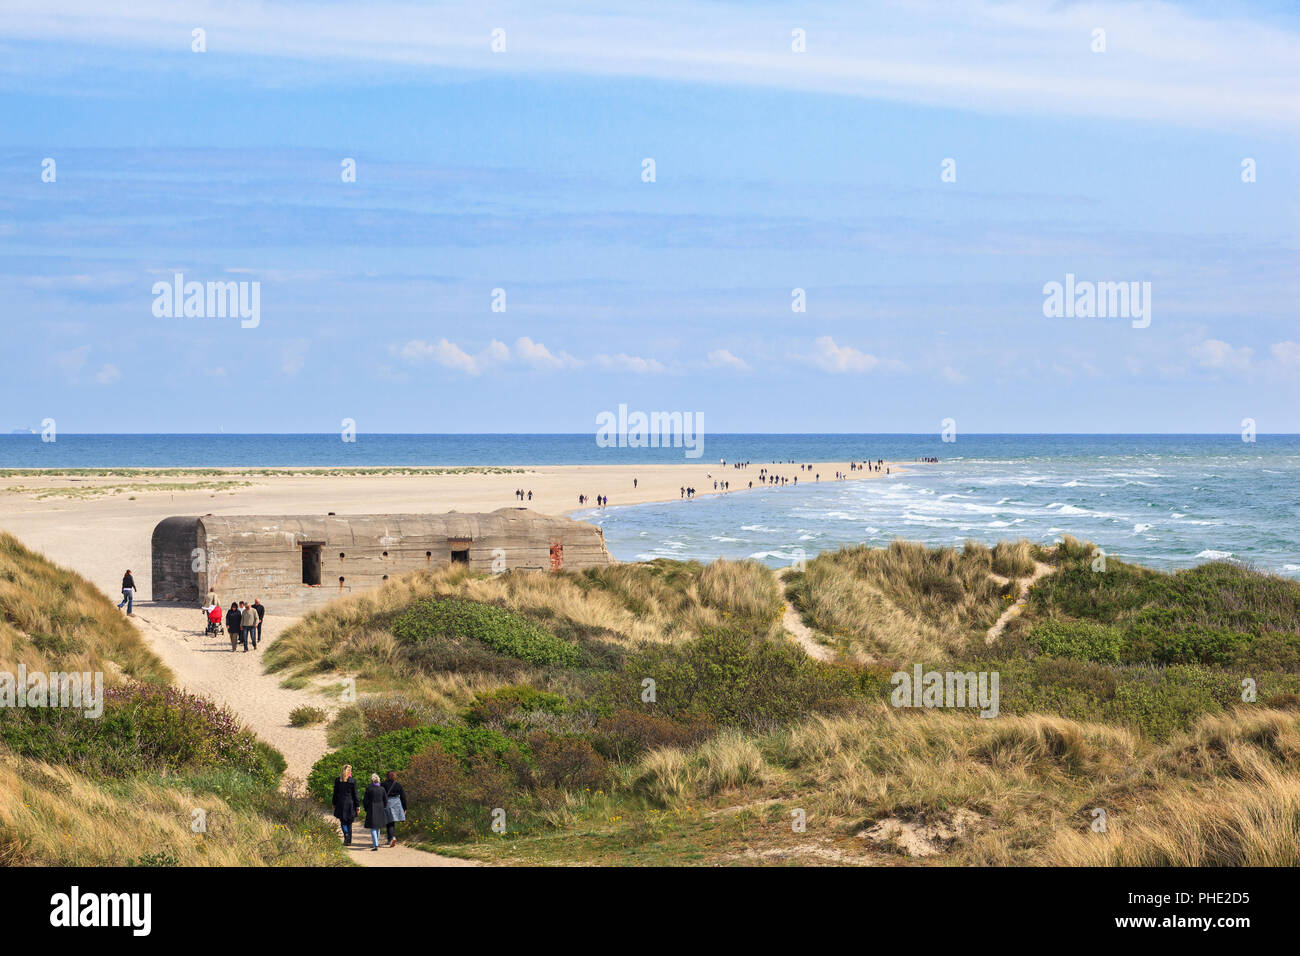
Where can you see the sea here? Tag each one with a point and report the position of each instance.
(1167, 501)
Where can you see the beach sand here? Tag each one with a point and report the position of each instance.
(106, 525)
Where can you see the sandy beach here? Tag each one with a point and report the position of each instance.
(98, 526)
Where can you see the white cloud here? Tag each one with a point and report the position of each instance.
(953, 375)
(444, 353)
(631, 363)
(1219, 355)
(539, 356)
(835, 358)
(1287, 353)
(723, 358)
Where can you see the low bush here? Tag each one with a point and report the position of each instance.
(394, 750)
(1079, 640)
(628, 733)
(731, 678)
(305, 716)
(497, 707)
(504, 631)
(144, 728)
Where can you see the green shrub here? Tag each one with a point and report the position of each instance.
(734, 679)
(503, 631)
(566, 762)
(1079, 640)
(498, 706)
(305, 716)
(394, 750)
(144, 728)
(628, 733)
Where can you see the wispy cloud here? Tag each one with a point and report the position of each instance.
(834, 358)
(1220, 356)
(1162, 61)
(723, 358)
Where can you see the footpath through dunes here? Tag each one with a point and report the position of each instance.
(794, 625)
(1041, 569)
(204, 664)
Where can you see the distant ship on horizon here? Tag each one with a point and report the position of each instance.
(22, 431)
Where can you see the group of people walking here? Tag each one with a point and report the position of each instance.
(384, 806)
(243, 621)
(601, 500)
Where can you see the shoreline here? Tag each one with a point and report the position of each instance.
(100, 524)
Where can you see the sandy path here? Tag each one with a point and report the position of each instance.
(205, 665)
(792, 621)
(994, 632)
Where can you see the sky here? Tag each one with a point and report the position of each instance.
(922, 171)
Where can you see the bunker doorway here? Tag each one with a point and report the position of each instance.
(459, 548)
(311, 564)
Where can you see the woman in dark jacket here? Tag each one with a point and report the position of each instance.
(346, 802)
(376, 804)
(233, 619)
(396, 811)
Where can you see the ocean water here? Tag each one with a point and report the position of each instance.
(1161, 500)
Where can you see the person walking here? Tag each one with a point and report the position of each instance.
(234, 621)
(345, 802)
(396, 805)
(375, 802)
(261, 616)
(247, 625)
(128, 591)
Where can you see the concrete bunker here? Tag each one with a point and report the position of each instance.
(310, 559)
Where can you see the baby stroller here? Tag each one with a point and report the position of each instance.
(216, 624)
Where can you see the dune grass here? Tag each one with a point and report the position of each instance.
(53, 619)
(54, 816)
(907, 601)
(123, 789)
(742, 735)
(602, 613)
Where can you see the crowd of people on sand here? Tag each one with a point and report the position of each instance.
(519, 493)
(384, 806)
(928, 461)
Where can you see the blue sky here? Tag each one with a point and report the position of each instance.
(775, 170)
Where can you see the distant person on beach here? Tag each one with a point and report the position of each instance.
(128, 591)
(346, 802)
(261, 616)
(375, 802)
(234, 621)
(396, 805)
(633, 482)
